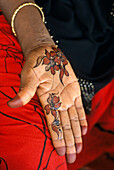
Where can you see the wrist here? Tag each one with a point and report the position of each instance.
(30, 29)
(34, 48)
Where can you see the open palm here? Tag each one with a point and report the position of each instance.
(49, 73)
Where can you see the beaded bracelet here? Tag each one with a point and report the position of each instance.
(20, 7)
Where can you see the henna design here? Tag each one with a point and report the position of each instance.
(54, 104)
(55, 61)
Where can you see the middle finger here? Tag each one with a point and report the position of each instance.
(68, 136)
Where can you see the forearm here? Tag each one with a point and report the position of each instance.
(29, 27)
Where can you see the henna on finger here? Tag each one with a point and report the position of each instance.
(52, 107)
(54, 124)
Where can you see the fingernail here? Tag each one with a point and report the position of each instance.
(84, 130)
(78, 147)
(60, 150)
(71, 158)
(15, 102)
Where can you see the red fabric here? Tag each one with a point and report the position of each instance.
(104, 162)
(25, 141)
(100, 137)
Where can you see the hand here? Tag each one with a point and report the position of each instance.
(48, 72)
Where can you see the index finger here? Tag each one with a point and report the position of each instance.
(51, 103)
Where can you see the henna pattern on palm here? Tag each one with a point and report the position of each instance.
(53, 106)
(55, 61)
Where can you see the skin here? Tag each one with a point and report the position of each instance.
(35, 78)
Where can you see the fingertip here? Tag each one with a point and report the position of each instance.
(84, 130)
(71, 158)
(78, 147)
(15, 102)
(61, 150)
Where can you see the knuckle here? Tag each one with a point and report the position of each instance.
(82, 119)
(70, 144)
(83, 123)
(71, 149)
(67, 126)
(78, 139)
(75, 118)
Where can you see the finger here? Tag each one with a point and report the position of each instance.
(27, 90)
(76, 128)
(81, 115)
(56, 132)
(51, 103)
(68, 136)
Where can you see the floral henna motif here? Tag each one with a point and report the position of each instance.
(55, 61)
(52, 107)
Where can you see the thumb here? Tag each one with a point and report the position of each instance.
(28, 86)
(24, 95)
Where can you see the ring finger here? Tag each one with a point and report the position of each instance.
(76, 128)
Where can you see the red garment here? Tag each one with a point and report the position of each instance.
(25, 141)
